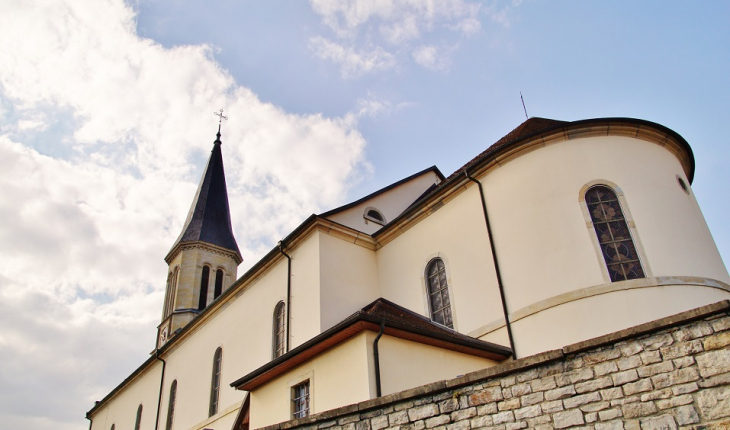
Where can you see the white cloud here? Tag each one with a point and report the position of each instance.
(388, 28)
(430, 58)
(126, 126)
(352, 62)
(398, 20)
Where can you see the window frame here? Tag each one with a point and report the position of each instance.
(448, 289)
(628, 218)
(215, 382)
(170, 292)
(278, 330)
(220, 275)
(306, 410)
(138, 419)
(171, 405)
(204, 284)
(368, 217)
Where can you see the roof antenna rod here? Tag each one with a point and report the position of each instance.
(523, 105)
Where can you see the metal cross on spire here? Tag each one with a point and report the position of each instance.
(221, 117)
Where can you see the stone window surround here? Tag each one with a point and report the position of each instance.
(450, 286)
(629, 222)
(367, 217)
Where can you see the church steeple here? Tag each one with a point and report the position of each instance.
(203, 261)
(209, 219)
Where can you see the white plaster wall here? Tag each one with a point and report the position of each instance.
(348, 280)
(457, 233)
(546, 249)
(540, 233)
(598, 315)
(405, 364)
(390, 203)
(338, 377)
(243, 329)
(122, 411)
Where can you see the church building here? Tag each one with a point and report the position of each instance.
(557, 233)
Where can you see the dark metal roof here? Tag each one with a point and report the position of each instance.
(209, 219)
(397, 320)
(433, 169)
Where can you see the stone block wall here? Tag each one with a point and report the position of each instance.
(667, 374)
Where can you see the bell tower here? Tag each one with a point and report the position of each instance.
(204, 260)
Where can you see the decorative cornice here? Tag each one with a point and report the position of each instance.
(184, 246)
(584, 293)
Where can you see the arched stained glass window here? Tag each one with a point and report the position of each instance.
(218, 283)
(171, 405)
(438, 293)
(138, 421)
(279, 330)
(613, 234)
(215, 382)
(203, 298)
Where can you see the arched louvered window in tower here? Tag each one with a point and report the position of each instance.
(112, 427)
(138, 421)
(438, 293)
(215, 382)
(614, 237)
(218, 283)
(171, 405)
(203, 298)
(279, 330)
(170, 294)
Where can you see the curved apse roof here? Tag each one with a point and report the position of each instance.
(536, 126)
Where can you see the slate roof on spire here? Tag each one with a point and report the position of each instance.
(209, 219)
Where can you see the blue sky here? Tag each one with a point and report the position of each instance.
(106, 122)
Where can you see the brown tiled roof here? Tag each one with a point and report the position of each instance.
(396, 321)
(531, 126)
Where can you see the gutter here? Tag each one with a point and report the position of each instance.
(376, 357)
(496, 265)
(288, 292)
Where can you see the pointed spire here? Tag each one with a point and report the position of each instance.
(209, 219)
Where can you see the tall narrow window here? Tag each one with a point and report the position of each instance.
(438, 293)
(138, 421)
(279, 338)
(300, 400)
(203, 299)
(112, 427)
(171, 405)
(218, 283)
(613, 234)
(170, 294)
(215, 382)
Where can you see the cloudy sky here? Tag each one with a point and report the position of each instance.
(106, 120)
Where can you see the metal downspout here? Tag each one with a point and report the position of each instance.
(496, 265)
(288, 292)
(376, 357)
(162, 379)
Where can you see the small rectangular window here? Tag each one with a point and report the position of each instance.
(300, 400)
